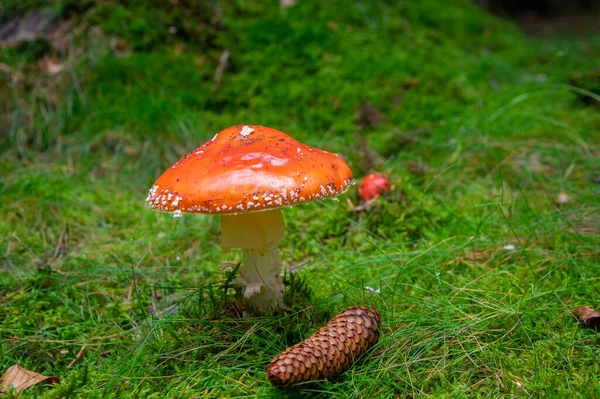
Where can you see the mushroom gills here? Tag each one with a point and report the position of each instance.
(257, 234)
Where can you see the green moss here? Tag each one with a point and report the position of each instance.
(486, 114)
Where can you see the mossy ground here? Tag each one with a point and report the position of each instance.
(479, 131)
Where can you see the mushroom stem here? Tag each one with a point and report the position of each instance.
(261, 276)
(257, 234)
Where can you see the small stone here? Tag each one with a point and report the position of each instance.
(563, 198)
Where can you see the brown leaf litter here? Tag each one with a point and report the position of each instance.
(21, 379)
(589, 316)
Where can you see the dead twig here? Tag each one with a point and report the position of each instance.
(221, 66)
(80, 355)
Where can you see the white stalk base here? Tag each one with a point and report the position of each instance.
(257, 234)
(261, 277)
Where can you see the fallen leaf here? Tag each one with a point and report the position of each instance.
(589, 316)
(22, 379)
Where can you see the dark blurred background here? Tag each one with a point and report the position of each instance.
(549, 16)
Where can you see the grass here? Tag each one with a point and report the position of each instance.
(486, 114)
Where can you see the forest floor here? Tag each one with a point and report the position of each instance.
(487, 241)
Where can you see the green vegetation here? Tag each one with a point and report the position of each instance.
(479, 131)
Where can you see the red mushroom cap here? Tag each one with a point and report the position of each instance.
(372, 186)
(249, 168)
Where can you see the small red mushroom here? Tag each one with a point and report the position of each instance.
(373, 185)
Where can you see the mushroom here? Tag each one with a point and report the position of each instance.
(246, 174)
(372, 186)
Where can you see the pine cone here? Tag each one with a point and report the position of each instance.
(329, 351)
